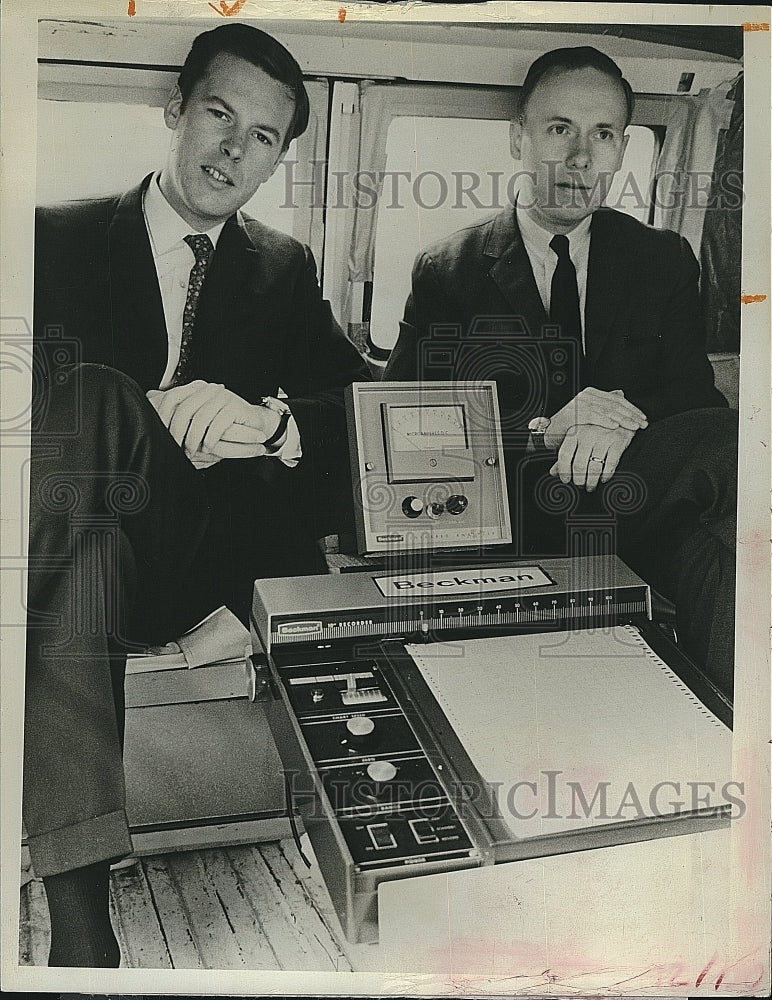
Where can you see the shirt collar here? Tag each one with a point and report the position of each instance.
(537, 240)
(166, 228)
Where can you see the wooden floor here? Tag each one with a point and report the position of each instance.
(245, 907)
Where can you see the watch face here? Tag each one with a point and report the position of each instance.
(539, 425)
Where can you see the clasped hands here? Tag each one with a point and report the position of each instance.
(590, 433)
(209, 422)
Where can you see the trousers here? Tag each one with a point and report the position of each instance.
(129, 545)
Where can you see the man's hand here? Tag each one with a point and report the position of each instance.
(594, 406)
(590, 454)
(209, 422)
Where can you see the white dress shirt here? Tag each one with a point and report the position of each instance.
(544, 260)
(173, 260)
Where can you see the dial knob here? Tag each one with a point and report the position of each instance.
(360, 731)
(381, 770)
(457, 503)
(435, 509)
(412, 507)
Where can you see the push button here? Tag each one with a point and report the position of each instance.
(381, 836)
(423, 831)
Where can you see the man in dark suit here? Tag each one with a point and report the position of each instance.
(114, 274)
(167, 473)
(590, 324)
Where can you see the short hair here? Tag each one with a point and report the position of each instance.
(565, 60)
(258, 48)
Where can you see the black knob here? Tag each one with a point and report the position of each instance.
(435, 509)
(412, 507)
(457, 504)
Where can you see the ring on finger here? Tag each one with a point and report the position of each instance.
(594, 458)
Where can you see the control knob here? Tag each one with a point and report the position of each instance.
(412, 507)
(360, 732)
(457, 503)
(381, 770)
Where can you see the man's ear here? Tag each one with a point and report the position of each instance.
(620, 155)
(173, 108)
(515, 138)
(625, 140)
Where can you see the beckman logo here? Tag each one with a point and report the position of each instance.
(492, 580)
(299, 628)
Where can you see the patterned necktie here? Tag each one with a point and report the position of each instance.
(203, 249)
(567, 375)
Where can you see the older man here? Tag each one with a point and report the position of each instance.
(590, 323)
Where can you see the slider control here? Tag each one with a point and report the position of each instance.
(362, 696)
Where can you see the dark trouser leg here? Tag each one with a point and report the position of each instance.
(114, 508)
(683, 538)
(257, 529)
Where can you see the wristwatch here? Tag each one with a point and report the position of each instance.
(271, 403)
(538, 428)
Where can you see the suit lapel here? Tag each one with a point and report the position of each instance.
(606, 284)
(512, 272)
(138, 324)
(232, 271)
(606, 278)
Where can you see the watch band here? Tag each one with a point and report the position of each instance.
(538, 428)
(271, 403)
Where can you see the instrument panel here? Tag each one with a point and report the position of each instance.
(386, 786)
(427, 466)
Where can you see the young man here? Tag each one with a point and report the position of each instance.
(590, 323)
(166, 474)
(208, 341)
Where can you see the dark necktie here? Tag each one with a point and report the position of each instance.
(565, 313)
(203, 249)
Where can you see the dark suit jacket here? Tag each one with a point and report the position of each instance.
(261, 322)
(474, 308)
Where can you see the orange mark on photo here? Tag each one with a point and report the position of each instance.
(747, 299)
(342, 15)
(132, 8)
(698, 980)
(227, 11)
(755, 26)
